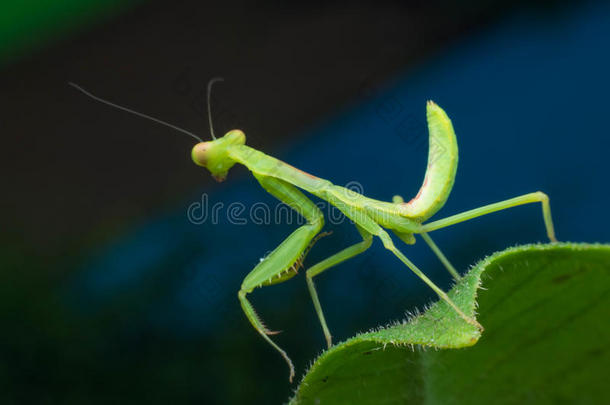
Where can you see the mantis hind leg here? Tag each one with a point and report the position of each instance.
(537, 197)
(283, 262)
(441, 256)
(369, 225)
(329, 262)
(389, 244)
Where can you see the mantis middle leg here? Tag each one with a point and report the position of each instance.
(329, 262)
(283, 262)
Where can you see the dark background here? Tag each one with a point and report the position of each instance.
(109, 293)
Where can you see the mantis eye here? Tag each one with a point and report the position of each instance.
(200, 153)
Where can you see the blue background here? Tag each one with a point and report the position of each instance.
(528, 100)
(529, 103)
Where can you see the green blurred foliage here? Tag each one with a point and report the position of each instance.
(26, 25)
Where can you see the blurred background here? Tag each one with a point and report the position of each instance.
(117, 282)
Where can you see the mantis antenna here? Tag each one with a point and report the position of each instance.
(210, 83)
(139, 114)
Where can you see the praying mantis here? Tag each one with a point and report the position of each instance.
(372, 218)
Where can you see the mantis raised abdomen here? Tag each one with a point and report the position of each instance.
(371, 217)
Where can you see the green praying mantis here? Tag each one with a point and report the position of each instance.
(372, 218)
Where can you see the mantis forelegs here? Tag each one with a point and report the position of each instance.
(260, 328)
(283, 262)
(502, 205)
(329, 262)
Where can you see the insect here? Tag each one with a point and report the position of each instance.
(372, 218)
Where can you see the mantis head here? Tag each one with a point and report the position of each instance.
(214, 155)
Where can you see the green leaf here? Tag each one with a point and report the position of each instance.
(545, 309)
